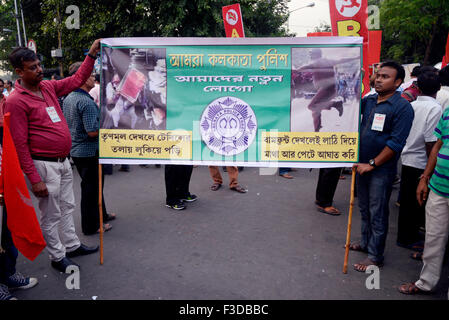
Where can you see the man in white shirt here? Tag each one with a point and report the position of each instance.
(443, 94)
(414, 159)
(95, 91)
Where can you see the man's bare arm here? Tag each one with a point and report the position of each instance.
(423, 190)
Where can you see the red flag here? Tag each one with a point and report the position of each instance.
(374, 46)
(232, 18)
(319, 34)
(22, 221)
(445, 61)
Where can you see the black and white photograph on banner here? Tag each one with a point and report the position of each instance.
(325, 93)
(134, 94)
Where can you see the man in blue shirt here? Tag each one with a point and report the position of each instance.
(82, 115)
(386, 122)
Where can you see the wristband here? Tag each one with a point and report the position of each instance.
(423, 176)
(93, 57)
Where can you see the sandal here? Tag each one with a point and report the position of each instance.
(356, 247)
(363, 265)
(410, 288)
(215, 186)
(110, 217)
(329, 210)
(239, 189)
(106, 228)
(416, 256)
(286, 176)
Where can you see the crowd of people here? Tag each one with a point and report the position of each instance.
(408, 124)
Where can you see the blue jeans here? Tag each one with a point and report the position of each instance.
(374, 191)
(9, 257)
(284, 171)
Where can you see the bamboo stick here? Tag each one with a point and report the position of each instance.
(100, 206)
(348, 234)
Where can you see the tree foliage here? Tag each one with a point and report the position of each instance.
(142, 18)
(414, 30)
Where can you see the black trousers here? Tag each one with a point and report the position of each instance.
(326, 186)
(9, 257)
(177, 180)
(88, 170)
(411, 214)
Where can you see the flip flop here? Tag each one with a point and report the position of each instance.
(110, 217)
(410, 288)
(356, 247)
(329, 210)
(215, 186)
(106, 228)
(363, 265)
(416, 256)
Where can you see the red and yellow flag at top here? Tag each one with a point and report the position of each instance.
(233, 23)
(349, 18)
(21, 217)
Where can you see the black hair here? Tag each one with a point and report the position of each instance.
(415, 71)
(400, 71)
(444, 76)
(426, 69)
(21, 54)
(97, 77)
(1, 80)
(429, 83)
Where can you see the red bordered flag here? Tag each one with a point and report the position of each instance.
(22, 221)
(233, 23)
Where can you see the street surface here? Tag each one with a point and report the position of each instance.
(270, 243)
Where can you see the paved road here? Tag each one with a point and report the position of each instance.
(270, 243)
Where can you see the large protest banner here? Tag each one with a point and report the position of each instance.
(291, 102)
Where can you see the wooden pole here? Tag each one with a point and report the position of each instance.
(348, 234)
(100, 206)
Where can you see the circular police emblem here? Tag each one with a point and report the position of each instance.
(228, 126)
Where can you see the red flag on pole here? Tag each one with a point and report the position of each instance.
(22, 221)
(233, 23)
(445, 61)
(319, 34)
(374, 46)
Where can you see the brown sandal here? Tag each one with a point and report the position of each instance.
(357, 247)
(416, 256)
(363, 265)
(410, 288)
(239, 189)
(329, 210)
(215, 186)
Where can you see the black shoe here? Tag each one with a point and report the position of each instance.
(176, 206)
(189, 198)
(63, 264)
(82, 251)
(339, 106)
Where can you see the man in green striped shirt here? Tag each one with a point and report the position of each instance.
(434, 186)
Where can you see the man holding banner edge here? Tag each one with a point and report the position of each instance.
(386, 122)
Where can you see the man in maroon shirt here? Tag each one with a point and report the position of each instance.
(43, 141)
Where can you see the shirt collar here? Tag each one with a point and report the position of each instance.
(393, 99)
(425, 98)
(84, 92)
